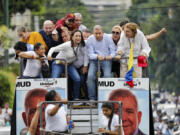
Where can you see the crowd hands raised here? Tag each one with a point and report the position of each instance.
(69, 39)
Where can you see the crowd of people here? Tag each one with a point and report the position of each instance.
(166, 113)
(70, 40)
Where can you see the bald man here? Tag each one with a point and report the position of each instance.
(46, 32)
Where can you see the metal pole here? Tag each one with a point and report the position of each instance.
(7, 13)
(41, 118)
(21, 67)
(91, 119)
(120, 117)
(70, 113)
(99, 68)
(6, 52)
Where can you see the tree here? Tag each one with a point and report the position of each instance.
(4, 89)
(19, 6)
(164, 59)
(5, 40)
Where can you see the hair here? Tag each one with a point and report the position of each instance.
(111, 107)
(20, 46)
(117, 27)
(78, 15)
(37, 46)
(132, 27)
(123, 93)
(97, 27)
(33, 93)
(86, 30)
(50, 96)
(23, 29)
(123, 22)
(82, 38)
(48, 22)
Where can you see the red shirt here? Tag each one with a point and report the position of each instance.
(61, 23)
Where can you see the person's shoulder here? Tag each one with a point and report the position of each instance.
(106, 35)
(68, 43)
(115, 116)
(41, 31)
(3, 110)
(82, 27)
(110, 35)
(9, 109)
(35, 34)
(139, 32)
(90, 38)
(49, 106)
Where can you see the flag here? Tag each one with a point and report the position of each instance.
(129, 74)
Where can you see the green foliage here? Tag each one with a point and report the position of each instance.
(14, 68)
(110, 17)
(19, 6)
(5, 40)
(164, 59)
(5, 89)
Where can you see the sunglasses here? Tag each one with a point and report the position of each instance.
(115, 33)
(71, 20)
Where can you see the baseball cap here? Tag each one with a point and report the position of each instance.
(142, 61)
(70, 16)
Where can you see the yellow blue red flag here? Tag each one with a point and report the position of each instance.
(129, 74)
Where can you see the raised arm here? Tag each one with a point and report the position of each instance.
(58, 48)
(28, 55)
(34, 122)
(156, 35)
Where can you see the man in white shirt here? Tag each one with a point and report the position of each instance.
(78, 22)
(55, 114)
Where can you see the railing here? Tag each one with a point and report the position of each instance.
(70, 103)
(144, 69)
(22, 66)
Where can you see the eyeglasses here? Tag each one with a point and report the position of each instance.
(71, 20)
(115, 33)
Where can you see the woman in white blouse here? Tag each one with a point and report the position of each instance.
(132, 35)
(70, 51)
(109, 120)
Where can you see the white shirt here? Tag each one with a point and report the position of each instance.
(65, 52)
(82, 27)
(7, 115)
(33, 66)
(57, 122)
(2, 120)
(114, 122)
(140, 44)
